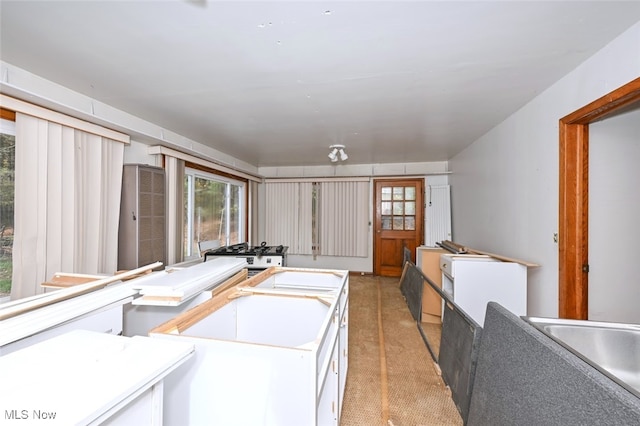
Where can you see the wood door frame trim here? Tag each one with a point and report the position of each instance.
(573, 220)
(377, 213)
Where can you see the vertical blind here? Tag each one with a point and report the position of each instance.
(174, 177)
(288, 215)
(282, 201)
(67, 203)
(344, 218)
(305, 220)
(341, 217)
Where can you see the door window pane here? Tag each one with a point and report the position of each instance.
(409, 223)
(386, 223)
(398, 208)
(386, 193)
(409, 193)
(410, 207)
(398, 192)
(398, 223)
(385, 207)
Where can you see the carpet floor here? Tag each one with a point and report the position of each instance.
(392, 379)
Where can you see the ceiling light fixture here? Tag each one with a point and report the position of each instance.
(343, 155)
(337, 153)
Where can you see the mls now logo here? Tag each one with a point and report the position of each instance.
(16, 414)
(26, 414)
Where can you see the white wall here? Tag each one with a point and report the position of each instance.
(22, 84)
(358, 264)
(614, 218)
(137, 153)
(505, 185)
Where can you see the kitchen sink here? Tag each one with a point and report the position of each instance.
(612, 348)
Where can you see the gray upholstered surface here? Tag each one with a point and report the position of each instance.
(525, 378)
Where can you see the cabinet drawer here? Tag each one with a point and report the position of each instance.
(448, 261)
(446, 265)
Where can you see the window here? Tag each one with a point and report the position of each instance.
(398, 208)
(7, 173)
(214, 210)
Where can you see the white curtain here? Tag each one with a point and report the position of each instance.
(288, 215)
(174, 179)
(305, 219)
(344, 218)
(67, 203)
(252, 212)
(341, 217)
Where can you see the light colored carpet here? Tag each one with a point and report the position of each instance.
(392, 379)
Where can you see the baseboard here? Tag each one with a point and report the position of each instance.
(360, 273)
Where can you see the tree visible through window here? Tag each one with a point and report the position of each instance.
(7, 172)
(213, 211)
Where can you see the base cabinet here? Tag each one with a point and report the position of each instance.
(472, 281)
(89, 378)
(428, 261)
(270, 351)
(100, 311)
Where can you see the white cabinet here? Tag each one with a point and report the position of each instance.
(89, 378)
(166, 294)
(99, 310)
(270, 351)
(472, 281)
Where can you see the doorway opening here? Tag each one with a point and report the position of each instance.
(573, 218)
(398, 223)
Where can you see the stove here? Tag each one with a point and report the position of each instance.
(258, 257)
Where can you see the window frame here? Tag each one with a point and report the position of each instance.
(193, 171)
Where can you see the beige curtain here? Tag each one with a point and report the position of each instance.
(344, 218)
(341, 216)
(67, 203)
(252, 212)
(174, 179)
(288, 216)
(306, 219)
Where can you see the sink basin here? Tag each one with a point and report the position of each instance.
(612, 348)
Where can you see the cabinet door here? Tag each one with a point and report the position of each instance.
(478, 283)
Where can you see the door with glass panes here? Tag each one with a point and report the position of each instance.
(398, 223)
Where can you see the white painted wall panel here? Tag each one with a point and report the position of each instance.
(505, 185)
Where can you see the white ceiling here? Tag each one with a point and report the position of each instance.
(276, 83)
